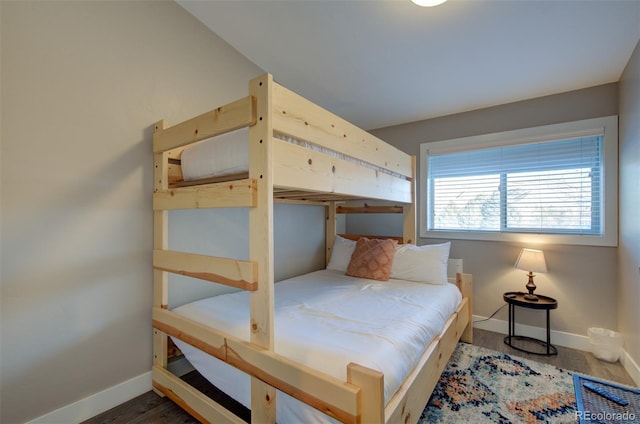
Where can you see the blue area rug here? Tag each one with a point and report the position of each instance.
(480, 385)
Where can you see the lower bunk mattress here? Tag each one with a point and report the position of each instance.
(326, 320)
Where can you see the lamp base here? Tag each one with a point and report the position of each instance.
(531, 287)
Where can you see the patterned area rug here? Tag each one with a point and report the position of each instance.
(479, 385)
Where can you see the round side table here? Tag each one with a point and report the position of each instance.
(545, 303)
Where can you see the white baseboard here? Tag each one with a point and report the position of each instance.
(97, 403)
(559, 338)
(631, 366)
(102, 401)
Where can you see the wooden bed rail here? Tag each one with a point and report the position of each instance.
(235, 115)
(237, 194)
(321, 172)
(298, 117)
(369, 208)
(230, 272)
(333, 397)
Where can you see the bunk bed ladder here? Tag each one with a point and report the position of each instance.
(254, 275)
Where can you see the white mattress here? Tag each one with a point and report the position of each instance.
(222, 155)
(228, 154)
(326, 319)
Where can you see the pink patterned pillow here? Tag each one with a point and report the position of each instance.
(372, 259)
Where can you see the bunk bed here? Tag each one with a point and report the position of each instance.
(297, 152)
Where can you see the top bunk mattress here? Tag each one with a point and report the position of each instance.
(226, 154)
(326, 320)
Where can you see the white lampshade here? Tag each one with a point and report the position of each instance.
(428, 3)
(531, 260)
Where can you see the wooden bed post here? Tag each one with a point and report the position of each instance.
(465, 284)
(409, 211)
(330, 230)
(160, 241)
(371, 384)
(263, 396)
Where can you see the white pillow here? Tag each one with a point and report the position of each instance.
(341, 254)
(424, 264)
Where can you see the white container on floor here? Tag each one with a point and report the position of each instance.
(605, 344)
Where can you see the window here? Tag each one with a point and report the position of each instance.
(548, 184)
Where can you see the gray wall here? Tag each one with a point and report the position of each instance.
(629, 249)
(581, 278)
(82, 85)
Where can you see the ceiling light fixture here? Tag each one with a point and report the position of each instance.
(428, 3)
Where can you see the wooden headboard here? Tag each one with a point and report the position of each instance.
(356, 237)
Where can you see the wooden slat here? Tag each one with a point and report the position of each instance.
(232, 116)
(330, 231)
(205, 338)
(307, 195)
(310, 195)
(230, 272)
(409, 224)
(240, 193)
(310, 202)
(368, 208)
(209, 180)
(356, 237)
(325, 393)
(298, 117)
(201, 407)
(302, 168)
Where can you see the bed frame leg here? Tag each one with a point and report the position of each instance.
(160, 242)
(465, 284)
(371, 384)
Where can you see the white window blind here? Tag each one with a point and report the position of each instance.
(550, 184)
(550, 187)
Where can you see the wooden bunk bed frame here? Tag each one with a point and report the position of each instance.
(284, 172)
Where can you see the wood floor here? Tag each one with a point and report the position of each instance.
(568, 359)
(150, 408)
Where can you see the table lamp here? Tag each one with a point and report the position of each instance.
(531, 260)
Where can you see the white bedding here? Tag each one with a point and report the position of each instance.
(326, 319)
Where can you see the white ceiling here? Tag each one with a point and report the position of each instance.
(386, 62)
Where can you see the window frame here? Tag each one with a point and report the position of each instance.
(607, 126)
